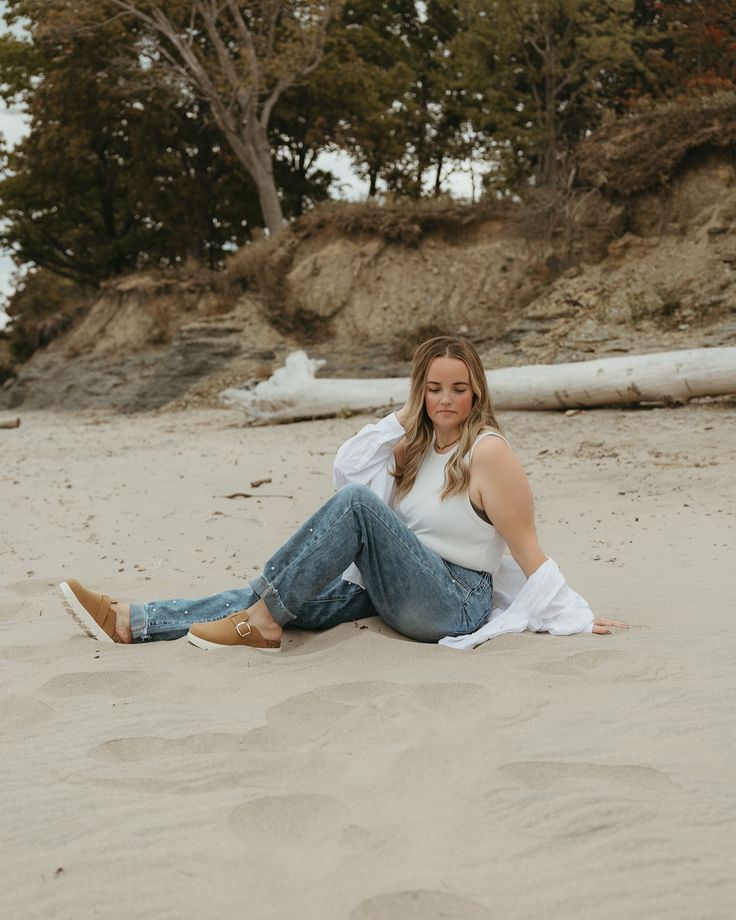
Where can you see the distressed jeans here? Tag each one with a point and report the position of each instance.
(410, 587)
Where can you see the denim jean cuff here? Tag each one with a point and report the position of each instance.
(270, 597)
(138, 622)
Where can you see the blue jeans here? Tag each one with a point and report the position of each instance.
(410, 587)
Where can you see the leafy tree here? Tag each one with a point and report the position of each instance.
(367, 56)
(41, 307)
(436, 105)
(689, 46)
(303, 126)
(241, 58)
(404, 113)
(119, 170)
(542, 73)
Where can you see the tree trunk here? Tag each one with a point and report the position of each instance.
(270, 202)
(676, 376)
(438, 177)
(373, 187)
(262, 173)
(549, 119)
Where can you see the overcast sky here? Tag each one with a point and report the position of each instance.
(12, 128)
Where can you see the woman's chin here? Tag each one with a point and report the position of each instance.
(447, 424)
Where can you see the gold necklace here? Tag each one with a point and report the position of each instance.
(442, 450)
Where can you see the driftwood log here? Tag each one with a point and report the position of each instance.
(293, 392)
(14, 424)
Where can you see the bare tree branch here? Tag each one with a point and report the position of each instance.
(241, 64)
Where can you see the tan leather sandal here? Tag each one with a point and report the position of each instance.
(94, 612)
(232, 631)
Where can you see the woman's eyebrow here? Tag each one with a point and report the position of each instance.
(455, 383)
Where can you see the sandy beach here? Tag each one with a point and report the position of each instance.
(360, 775)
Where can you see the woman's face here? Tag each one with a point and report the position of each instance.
(448, 395)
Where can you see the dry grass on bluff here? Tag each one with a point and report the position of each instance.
(642, 152)
(636, 154)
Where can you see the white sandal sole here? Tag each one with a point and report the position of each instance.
(206, 644)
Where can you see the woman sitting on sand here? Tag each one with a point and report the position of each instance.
(428, 500)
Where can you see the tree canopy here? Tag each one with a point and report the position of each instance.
(166, 130)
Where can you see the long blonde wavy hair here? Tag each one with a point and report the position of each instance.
(419, 429)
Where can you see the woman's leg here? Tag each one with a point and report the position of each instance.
(171, 619)
(410, 587)
(338, 602)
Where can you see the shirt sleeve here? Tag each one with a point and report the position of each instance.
(368, 457)
(544, 602)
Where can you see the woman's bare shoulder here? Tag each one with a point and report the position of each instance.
(494, 458)
(492, 444)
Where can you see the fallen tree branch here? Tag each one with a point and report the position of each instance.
(293, 392)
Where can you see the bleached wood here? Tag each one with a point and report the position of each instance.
(293, 392)
(669, 376)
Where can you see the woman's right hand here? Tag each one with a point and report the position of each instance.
(603, 627)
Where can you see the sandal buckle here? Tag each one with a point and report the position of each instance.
(243, 635)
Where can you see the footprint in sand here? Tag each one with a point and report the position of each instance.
(29, 587)
(142, 748)
(298, 819)
(447, 698)
(338, 708)
(420, 905)
(21, 652)
(309, 717)
(577, 814)
(194, 763)
(104, 683)
(265, 740)
(554, 774)
(610, 664)
(19, 713)
(555, 800)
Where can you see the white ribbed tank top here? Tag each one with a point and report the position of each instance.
(451, 528)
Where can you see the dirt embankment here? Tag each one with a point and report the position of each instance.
(602, 268)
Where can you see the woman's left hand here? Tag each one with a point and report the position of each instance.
(602, 627)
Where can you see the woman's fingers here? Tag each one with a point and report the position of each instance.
(602, 627)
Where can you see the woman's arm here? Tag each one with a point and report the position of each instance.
(507, 500)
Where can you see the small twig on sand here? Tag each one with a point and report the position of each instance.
(261, 495)
(259, 482)
(14, 424)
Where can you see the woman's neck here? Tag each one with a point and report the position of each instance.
(444, 440)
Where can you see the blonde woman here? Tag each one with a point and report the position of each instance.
(428, 500)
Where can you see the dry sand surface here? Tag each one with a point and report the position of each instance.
(358, 775)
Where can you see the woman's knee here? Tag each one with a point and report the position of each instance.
(357, 493)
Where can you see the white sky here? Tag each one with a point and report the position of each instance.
(12, 129)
